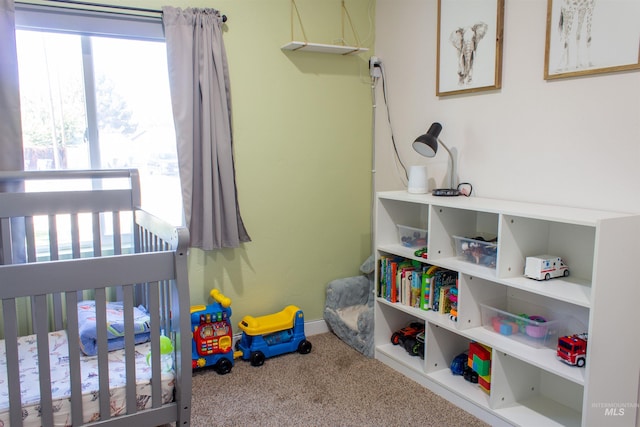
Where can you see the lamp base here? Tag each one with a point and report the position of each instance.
(445, 192)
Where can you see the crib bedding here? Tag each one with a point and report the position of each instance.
(61, 386)
(115, 326)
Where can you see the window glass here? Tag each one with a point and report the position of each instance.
(100, 102)
(52, 100)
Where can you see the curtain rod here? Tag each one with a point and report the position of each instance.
(110, 6)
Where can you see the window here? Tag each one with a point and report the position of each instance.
(94, 93)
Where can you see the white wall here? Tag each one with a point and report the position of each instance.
(569, 142)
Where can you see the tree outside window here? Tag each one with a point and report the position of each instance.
(100, 102)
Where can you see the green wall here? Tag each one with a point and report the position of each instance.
(302, 143)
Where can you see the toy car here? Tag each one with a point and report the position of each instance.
(418, 347)
(272, 335)
(421, 253)
(545, 267)
(470, 375)
(572, 349)
(459, 363)
(460, 366)
(406, 337)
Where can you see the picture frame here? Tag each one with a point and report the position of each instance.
(468, 59)
(608, 40)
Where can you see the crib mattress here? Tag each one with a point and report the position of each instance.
(61, 385)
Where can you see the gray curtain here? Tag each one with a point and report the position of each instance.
(11, 158)
(199, 80)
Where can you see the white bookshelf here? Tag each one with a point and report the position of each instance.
(529, 386)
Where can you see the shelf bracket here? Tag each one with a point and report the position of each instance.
(345, 12)
(294, 7)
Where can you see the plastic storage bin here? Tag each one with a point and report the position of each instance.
(532, 329)
(477, 251)
(412, 237)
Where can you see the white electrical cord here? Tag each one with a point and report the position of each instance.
(374, 81)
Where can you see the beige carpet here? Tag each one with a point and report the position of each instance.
(334, 385)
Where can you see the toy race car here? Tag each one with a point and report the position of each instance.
(407, 336)
(418, 347)
(459, 363)
(460, 366)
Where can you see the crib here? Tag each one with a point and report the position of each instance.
(78, 239)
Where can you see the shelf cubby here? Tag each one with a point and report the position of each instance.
(529, 385)
(575, 244)
(471, 291)
(447, 222)
(442, 346)
(529, 395)
(392, 213)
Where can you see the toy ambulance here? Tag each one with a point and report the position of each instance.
(545, 267)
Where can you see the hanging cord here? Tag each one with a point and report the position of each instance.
(370, 17)
(393, 140)
(294, 6)
(345, 12)
(374, 82)
(355, 35)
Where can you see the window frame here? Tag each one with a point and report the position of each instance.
(87, 23)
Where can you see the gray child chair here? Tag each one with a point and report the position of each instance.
(349, 308)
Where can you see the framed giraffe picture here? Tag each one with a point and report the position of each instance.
(591, 37)
(469, 46)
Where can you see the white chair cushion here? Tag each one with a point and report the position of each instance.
(349, 315)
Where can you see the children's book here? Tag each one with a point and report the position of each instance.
(393, 297)
(425, 289)
(385, 277)
(405, 283)
(441, 278)
(444, 304)
(397, 266)
(416, 286)
(382, 275)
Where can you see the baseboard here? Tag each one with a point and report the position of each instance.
(315, 327)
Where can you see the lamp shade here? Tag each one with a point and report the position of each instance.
(427, 144)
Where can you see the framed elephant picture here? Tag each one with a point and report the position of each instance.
(591, 37)
(469, 46)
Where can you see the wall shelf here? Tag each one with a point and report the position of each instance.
(323, 48)
(339, 49)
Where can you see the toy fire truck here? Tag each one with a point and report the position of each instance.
(572, 349)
